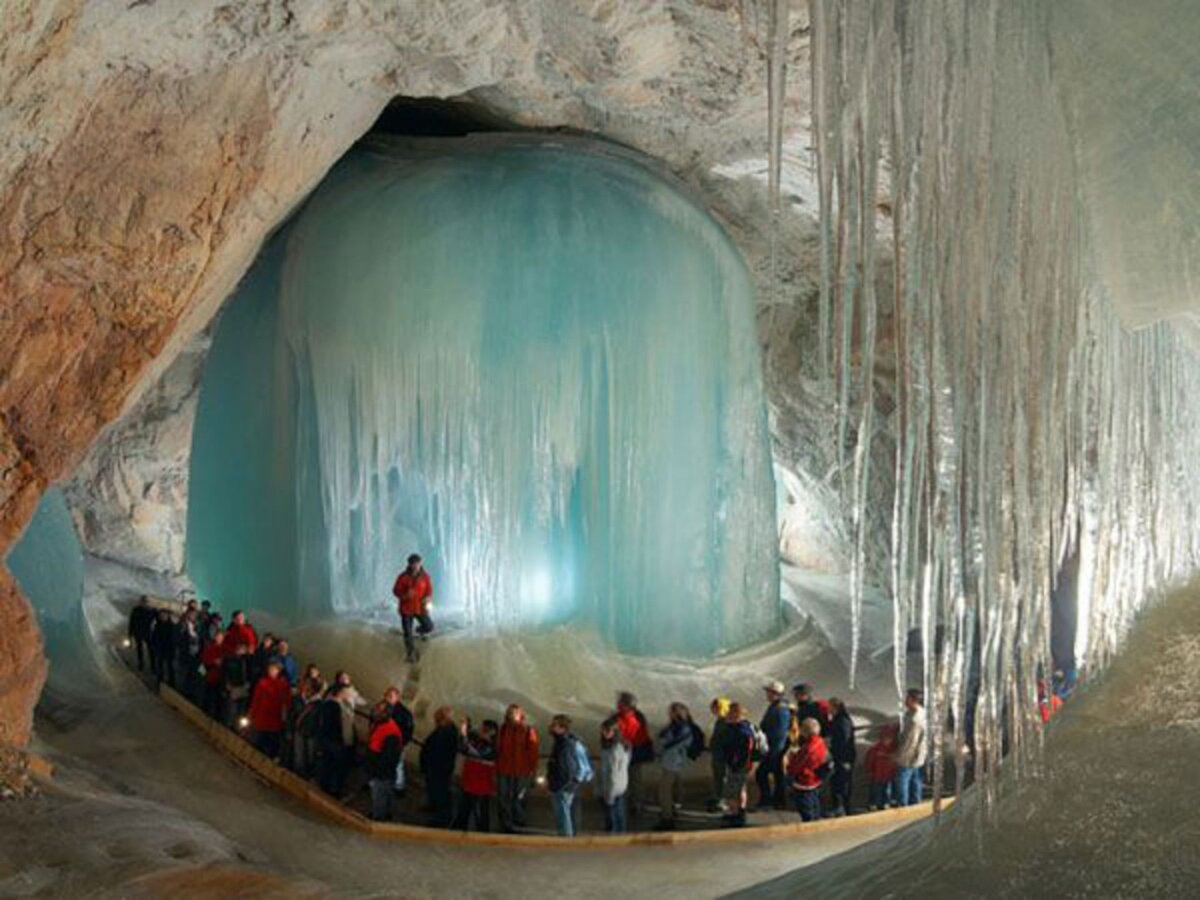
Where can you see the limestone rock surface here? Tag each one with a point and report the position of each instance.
(147, 148)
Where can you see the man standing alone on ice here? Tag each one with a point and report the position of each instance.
(414, 590)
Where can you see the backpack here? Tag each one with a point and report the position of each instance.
(404, 719)
(642, 753)
(739, 748)
(583, 765)
(696, 746)
(761, 748)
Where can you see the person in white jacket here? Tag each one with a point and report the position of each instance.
(911, 749)
(614, 776)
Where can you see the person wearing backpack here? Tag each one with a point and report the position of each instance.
(568, 771)
(403, 718)
(805, 761)
(776, 723)
(675, 743)
(737, 753)
(636, 733)
(716, 747)
(384, 748)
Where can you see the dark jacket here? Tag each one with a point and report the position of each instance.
(187, 641)
(141, 622)
(404, 718)
(236, 671)
(163, 638)
(329, 718)
(811, 709)
(381, 764)
(775, 724)
(440, 751)
(841, 738)
(738, 746)
(562, 769)
(721, 734)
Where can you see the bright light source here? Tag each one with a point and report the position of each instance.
(127, 643)
(244, 722)
(541, 781)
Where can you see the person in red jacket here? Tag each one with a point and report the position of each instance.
(385, 747)
(881, 767)
(516, 766)
(803, 763)
(240, 634)
(414, 592)
(478, 783)
(636, 733)
(269, 708)
(210, 658)
(1047, 705)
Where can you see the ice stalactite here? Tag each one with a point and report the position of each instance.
(1029, 422)
(778, 32)
(532, 360)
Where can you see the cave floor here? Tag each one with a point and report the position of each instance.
(144, 806)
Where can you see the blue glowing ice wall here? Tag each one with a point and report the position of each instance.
(48, 565)
(534, 362)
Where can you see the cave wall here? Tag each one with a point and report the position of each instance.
(148, 148)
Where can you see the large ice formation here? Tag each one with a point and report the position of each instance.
(534, 362)
(48, 565)
(1031, 426)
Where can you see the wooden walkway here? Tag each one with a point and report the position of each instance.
(243, 752)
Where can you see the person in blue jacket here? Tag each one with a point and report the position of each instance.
(776, 723)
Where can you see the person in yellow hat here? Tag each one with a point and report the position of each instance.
(716, 747)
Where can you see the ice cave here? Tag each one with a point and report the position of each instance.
(828, 370)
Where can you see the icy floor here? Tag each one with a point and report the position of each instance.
(142, 795)
(567, 670)
(1113, 815)
(143, 805)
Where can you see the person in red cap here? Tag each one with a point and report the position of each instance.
(414, 592)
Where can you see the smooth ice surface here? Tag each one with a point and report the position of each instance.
(532, 361)
(48, 564)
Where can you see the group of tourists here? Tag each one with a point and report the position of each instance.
(800, 754)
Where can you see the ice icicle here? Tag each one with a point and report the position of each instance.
(1030, 427)
(778, 31)
(535, 362)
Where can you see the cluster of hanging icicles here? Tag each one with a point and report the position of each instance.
(1030, 427)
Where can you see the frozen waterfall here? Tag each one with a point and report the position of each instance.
(48, 564)
(532, 361)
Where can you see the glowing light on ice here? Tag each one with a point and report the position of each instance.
(534, 363)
